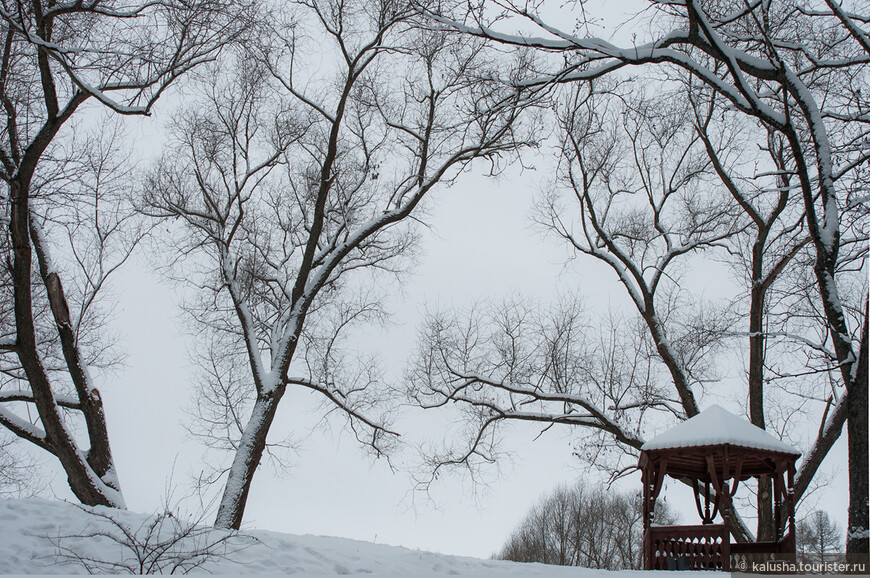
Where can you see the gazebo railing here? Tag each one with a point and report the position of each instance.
(700, 547)
(784, 546)
(744, 553)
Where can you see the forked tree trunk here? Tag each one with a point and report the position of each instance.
(85, 472)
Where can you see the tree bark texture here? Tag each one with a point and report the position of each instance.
(857, 539)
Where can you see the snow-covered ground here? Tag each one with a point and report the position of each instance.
(44, 537)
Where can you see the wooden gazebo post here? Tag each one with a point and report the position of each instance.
(652, 475)
(712, 448)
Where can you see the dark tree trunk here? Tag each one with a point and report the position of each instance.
(857, 537)
(85, 483)
(764, 500)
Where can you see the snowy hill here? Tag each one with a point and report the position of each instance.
(44, 537)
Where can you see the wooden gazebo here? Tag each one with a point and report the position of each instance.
(714, 451)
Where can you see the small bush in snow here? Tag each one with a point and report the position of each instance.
(161, 544)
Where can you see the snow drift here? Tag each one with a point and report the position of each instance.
(44, 537)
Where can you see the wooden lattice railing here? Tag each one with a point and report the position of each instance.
(701, 547)
(744, 554)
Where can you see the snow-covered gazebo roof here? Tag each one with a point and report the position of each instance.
(718, 426)
(718, 439)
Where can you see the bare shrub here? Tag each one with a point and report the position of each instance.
(161, 544)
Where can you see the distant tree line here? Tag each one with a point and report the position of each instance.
(584, 525)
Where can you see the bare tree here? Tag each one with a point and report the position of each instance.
(83, 196)
(818, 536)
(57, 56)
(635, 191)
(583, 526)
(785, 334)
(291, 204)
(794, 69)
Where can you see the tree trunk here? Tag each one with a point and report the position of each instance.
(857, 536)
(247, 460)
(85, 483)
(764, 499)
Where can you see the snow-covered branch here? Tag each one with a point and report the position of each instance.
(66, 401)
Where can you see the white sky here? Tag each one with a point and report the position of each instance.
(482, 247)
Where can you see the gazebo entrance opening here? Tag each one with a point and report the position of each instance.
(714, 451)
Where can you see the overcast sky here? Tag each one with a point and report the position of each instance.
(481, 246)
